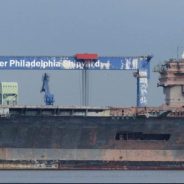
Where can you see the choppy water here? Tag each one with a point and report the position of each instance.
(91, 176)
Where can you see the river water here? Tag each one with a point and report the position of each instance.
(91, 176)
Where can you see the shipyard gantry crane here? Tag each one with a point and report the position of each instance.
(139, 64)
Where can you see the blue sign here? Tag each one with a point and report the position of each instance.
(71, 63)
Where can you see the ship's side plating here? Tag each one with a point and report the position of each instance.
(61, 137)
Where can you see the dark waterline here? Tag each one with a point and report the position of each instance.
(91, 176)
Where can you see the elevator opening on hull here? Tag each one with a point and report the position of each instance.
(141, 136)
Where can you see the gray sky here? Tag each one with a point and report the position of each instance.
(106, 27)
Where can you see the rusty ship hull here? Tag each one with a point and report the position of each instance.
(91, 138)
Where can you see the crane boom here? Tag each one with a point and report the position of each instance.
(48, 97)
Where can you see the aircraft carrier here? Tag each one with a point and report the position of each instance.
(79, 137)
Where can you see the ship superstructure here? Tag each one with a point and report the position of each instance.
(172, 81)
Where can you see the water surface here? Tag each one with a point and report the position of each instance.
(91, 176)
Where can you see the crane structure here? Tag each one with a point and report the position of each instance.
(139, 64)
(48, 97)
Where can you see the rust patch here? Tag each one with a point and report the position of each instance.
(92, 137)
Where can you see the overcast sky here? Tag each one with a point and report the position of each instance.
(106, 27)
